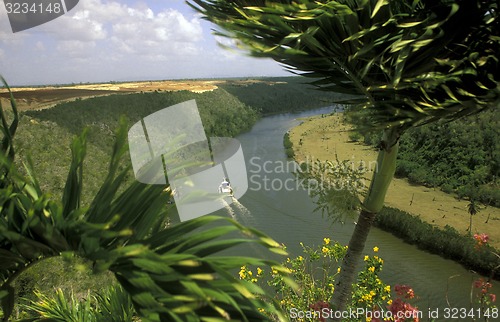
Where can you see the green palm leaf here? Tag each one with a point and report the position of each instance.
(170, 273)
(411, 62)
(404, 63)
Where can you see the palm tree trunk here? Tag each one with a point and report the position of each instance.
(373, 203)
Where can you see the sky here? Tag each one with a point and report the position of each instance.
(111, 40)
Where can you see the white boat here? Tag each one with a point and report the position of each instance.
(225, 187)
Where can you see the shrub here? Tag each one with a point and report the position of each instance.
(288, 145)
(314, 273)
(446, 242)
(355, 136)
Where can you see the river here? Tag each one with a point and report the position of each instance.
(273, 205)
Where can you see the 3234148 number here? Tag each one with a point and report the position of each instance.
(37, 8)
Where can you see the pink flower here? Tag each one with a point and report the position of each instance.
(481, 239)
(484, 288)
(398, 305)
(404, 290)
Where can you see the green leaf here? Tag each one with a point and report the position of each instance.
(378, 5)
(7, 300)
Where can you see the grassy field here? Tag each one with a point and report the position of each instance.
(37, 98)
(324, 137)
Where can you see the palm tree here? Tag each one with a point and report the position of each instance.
(406, 63)
(170, 273)
(472, 209)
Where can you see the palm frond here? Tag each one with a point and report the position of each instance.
(170, 273)
(410, 63)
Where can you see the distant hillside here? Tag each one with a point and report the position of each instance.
(278, 95)
(46, 135)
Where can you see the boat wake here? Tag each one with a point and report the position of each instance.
(238, 211)
(228, 208)
(242, 211)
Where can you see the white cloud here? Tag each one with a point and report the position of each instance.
(76, 49)
(103, 40)
(39, 46)
(167, 33)
(127, 30)
(80, 26)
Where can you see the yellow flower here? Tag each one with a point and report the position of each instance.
(375, 249)
(389, 302)
(242, 272)
(326, 240)
(367, 297)
(300, 258)
(371, 269)
(250, 273)
(324, 249)
(275, 272)
(338, 270)
(387, 288)
(259, 271)
(366, 258)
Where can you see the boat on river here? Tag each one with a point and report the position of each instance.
(225, 187)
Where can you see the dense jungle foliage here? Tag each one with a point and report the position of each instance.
(462, 156)
(282, 94)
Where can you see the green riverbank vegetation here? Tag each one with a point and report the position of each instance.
(461, 157)
(430, 225)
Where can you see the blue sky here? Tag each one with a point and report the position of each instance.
(111, 40)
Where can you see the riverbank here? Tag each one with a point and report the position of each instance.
(324, 137)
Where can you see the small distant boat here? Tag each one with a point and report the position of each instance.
(225, 187)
